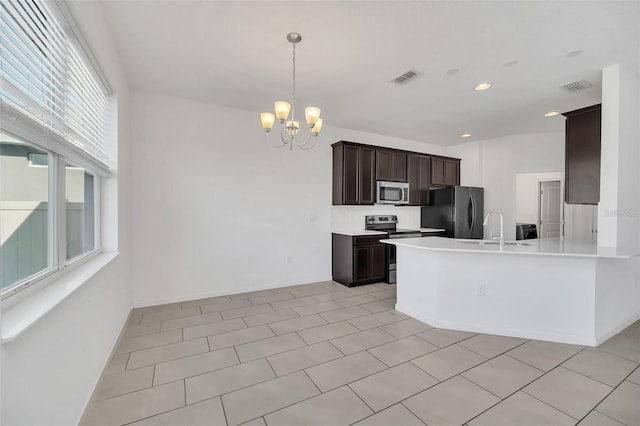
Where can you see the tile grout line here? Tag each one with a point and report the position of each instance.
(407, 360)
(607, 395)
(346, 319)
(408, 409)
(160, 414)
(138, 390)
(446, 346)
(619, 356)
(498, 396)
(495, 356)
(224, 412)
(395, 339)
(446, 380)
(360, 398)
(237, 357)
(549, 405)
(403, 399)
(560, 365)
(279, 409)
(602, 414)
(175, 359)
(584, 375)
(525, 362)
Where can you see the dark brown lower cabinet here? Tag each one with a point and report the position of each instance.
(357, 260)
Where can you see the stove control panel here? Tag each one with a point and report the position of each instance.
(381, 219)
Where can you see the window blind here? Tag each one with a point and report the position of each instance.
(46, 84)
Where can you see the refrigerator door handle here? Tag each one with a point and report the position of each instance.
(470, 213)
(472, 201)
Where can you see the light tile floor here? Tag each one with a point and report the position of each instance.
(324, 354)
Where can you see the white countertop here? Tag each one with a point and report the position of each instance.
(358, 232)
(354, 233)
(545, 246)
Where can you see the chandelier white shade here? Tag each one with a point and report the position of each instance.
(289, 128)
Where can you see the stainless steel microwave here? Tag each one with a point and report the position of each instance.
(392, 193)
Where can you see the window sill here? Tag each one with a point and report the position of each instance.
(22, 316)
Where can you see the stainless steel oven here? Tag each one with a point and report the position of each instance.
(387, 223)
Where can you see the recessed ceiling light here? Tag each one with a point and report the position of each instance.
(511, 63)
(465, 135)
(482, 86)
(552, 114)
(453, 71)
(573, 53)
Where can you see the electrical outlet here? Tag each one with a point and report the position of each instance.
(313, 217)
(289, 259)
(482, 290)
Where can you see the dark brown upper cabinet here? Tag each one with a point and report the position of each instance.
(582, 155)
(445, 171)
(357, 167)
(353, 174)
(419, 179)
(391, 165)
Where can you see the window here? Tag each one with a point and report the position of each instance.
(26, 243)
(80, 189)
(53, 102)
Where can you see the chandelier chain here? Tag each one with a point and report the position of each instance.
(293, 95)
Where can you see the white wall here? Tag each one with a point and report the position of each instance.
(493, 164)
(527, 203)
(50, 371)
(211, 198)
(351, 218)
(619, 208)
(471, 164)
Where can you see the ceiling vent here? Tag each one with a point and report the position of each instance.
(577, 86)
(407, 77)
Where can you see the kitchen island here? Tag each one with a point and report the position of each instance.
(547, 289)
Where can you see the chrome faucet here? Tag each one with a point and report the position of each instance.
(486, 220)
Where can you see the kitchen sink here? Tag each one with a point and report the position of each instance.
(493, 242)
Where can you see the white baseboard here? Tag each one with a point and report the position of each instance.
(502, 331)
(218, 293)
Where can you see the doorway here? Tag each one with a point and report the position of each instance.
(528, 201)
(550, 209)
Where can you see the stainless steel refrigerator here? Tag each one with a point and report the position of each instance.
(457, 209)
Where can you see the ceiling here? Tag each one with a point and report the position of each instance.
(235, 53)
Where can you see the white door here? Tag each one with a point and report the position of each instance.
(550, 209)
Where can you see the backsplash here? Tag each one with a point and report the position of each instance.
(351, 218)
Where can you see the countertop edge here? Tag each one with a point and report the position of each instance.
(509, 251)
(361, 232)
(357, 233)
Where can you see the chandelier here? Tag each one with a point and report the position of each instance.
(289, 128)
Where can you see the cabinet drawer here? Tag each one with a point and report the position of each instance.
(363, 240)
